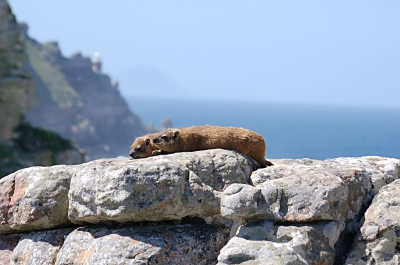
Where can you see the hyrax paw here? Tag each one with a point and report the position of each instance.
(156, 152)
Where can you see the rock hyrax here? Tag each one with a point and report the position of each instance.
(143, 147)
(211, 137)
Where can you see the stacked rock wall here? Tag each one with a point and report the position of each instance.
(204, 207)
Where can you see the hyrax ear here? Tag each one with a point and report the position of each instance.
(176, 135)
(147, 141)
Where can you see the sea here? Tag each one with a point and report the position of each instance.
(290, 130)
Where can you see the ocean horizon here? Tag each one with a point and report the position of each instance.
(290, 130)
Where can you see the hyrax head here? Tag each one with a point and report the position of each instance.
(141, 147)
(167, 141)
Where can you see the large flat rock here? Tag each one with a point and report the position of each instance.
(163, 245)
(180, 244)
(167, 187)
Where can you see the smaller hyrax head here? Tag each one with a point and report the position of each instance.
(141, 148)
(167, 140)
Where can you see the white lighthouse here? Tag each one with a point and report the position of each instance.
(96, 67)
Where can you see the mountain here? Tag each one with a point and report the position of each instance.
(80, 102)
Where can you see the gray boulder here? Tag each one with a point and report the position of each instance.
(379, 239)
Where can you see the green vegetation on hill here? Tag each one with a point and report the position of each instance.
(32, 139)
(8, 160)
(33, 146)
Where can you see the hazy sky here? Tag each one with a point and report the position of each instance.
(329, 52)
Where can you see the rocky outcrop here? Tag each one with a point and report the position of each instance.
(22, 145)
(74, 90)
(204, 207)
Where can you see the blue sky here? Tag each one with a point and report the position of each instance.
(320, 52)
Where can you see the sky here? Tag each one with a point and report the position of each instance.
(314, 52)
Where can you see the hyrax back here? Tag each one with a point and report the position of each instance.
(211, 137)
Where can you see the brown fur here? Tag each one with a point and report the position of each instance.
(143, 147)
(212, 137)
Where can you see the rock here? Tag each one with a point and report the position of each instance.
(242, 251)
(239, 201)
(35, 198)
(266, 243)
(163, 244)
(381, 170)
(309, 194)
(158, 188)
(39, 247)
(308, 190)
(7, 246)
(379, 239)
(180, 244)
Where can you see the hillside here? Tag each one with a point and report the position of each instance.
(78, 101)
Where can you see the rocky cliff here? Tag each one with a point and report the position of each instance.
(22, 145)
(78, 101)
(16, 88)
(204, 207)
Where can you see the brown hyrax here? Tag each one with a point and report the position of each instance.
(211, 137)
(143, 147)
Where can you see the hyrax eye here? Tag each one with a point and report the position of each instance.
(138, 148)
(165, 138)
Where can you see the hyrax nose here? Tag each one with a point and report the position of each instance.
(131, 154)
